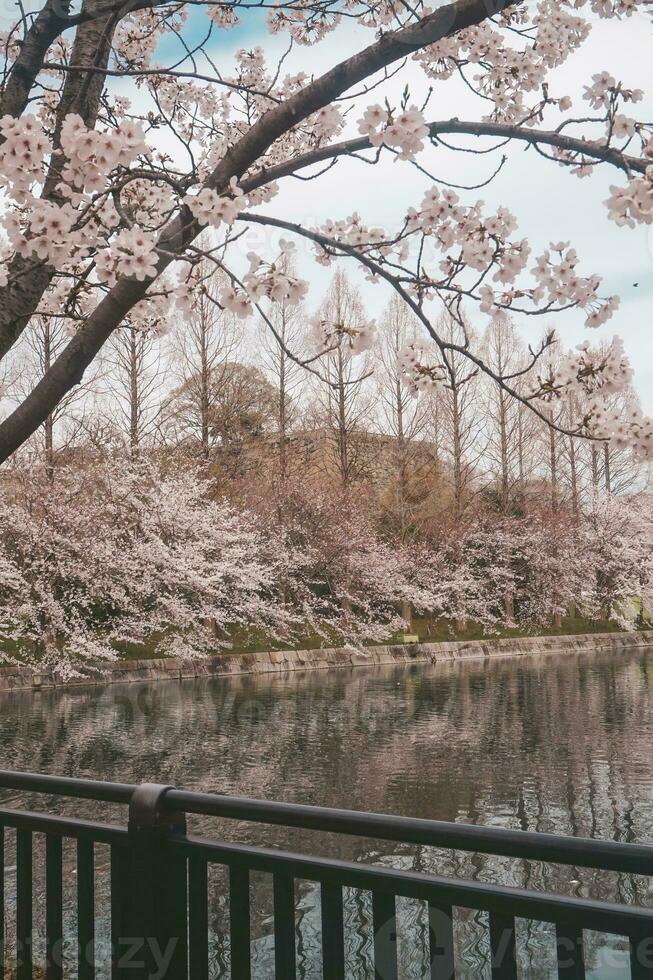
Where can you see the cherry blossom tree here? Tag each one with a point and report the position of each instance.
(362, 583)
(618, 557)
(124, 553)
(551, 566)
(102, 215)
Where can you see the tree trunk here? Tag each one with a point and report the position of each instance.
(133, 393)
(283, 408)
(503, 435)
(520, 436)
(457, 454)
(553, 465)
(204, 391)
(509, 607)
(49, 422)
(595, 470)
(407, 614)
(343, 435)
(574, 478)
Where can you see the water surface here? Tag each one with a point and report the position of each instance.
(559, 743)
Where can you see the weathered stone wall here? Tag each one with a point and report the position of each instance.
(121, 672)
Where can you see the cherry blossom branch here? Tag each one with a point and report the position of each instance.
(594, 150)
(68, 369)
(158, 73)
(305, 363)
(48, 25)
(444, 345)
(81, 94)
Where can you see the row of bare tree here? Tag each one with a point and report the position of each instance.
(233, 396)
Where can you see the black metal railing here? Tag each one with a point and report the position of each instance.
(158, 887)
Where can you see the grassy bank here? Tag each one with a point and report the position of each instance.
(428, 631)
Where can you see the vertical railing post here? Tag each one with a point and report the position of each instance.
(151, 907)
(641, 954)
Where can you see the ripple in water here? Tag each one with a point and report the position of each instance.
(547, 743)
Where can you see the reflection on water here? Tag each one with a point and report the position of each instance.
(558, 743)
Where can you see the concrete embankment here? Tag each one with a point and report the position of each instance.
(225, 665)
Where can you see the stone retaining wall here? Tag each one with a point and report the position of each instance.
(121, 672)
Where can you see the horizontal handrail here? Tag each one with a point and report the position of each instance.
(632, 858)
(80, 789)
(44, 823)
(158, 877)
(534, 846)
(483, 896)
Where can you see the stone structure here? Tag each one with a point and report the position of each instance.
(225, 665)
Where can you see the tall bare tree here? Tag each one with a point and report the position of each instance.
(405, 420)
(65, 425)
(136, 378)
(288, 377)
(205, 345)
(462, 421)
(343, 405)
(509, 429)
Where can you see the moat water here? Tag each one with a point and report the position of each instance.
(560, 743)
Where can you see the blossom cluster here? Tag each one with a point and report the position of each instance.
(633, 204)
(598, 375)
(137, 35)
(558, 281)
(325, 124)
(418, 371)
(604, 89)
(271, 280)
(149, 203)
(404, 132)
(611, 8)
(224, 15)
(483, 245)
(304, 23)
(211, 208)
(483, 240)
(22, 154)
(45, 232)
(624, 429)
(353, 232)
(506, 74)
(55, 232)
(92, 155)
(326, 335)
(607, 372)
(132, 253)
